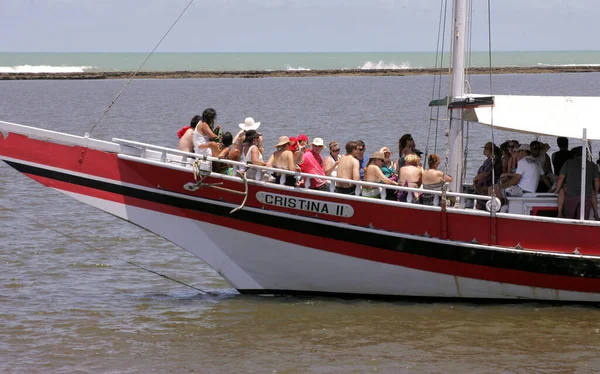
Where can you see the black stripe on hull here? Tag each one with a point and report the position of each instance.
(403, 298)
(522, 261)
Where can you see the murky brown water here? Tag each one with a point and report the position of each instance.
(69, 307)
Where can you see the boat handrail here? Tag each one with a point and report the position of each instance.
(164, 152)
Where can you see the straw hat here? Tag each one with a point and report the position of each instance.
(378, 155)
(283, 140)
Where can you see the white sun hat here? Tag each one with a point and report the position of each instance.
(249, 124)
(318, 142)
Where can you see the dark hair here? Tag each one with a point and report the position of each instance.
(208, 116)
(403, 141)
(562, 142)
(433, 159)
(360, 143)
(251, 134)
(577, 151)
(536, 144)
(350, 146)
(504, 147)
(195, 120)
(227, 139)
(497, 152)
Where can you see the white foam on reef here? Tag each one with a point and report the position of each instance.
(567, 65)
(299, 68)
(382, 65)
(43, 69)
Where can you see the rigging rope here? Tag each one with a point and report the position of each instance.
(449, 111)
(444, 3)
(492, 210)
(138, 70)
(442, 37)
(467, 89)
(101, 250)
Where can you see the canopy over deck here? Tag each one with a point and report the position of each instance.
(543, 115)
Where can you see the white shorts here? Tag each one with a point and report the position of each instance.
(514, 190)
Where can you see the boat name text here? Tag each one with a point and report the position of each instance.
(307, 205)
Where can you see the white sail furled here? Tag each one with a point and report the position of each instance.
(556, 116)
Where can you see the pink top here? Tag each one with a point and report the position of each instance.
(313, 164)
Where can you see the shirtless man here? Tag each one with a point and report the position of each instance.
(186, 143)
(348, 168)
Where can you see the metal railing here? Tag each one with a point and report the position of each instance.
(169, 155)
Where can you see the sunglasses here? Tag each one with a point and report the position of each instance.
(360, 149)
(335, 150)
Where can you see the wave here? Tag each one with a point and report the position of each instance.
(567, 65)
(43, 69)
(299, 68)
(381, 65)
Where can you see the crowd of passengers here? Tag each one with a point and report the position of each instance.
(512, 169)
(518, 169)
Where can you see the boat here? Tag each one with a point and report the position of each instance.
(267, 238)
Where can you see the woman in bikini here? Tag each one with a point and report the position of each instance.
(374, 174)
(222, 150)
(410, 175)
(433, 179)
(283, 158)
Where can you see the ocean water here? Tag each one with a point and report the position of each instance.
(69, 303)
(99, 62)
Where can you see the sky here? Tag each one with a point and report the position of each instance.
(287, 25)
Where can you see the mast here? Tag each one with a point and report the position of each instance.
(457, 88)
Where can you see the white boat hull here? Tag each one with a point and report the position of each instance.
(257, 264)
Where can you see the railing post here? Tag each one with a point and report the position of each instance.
(582, 212)
(258, 175)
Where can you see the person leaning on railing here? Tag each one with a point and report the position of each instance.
(251, 153)
(374, 174)
(433, 179)
(332, 161)
(410, 175)
(348, 168)
(283, 158)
